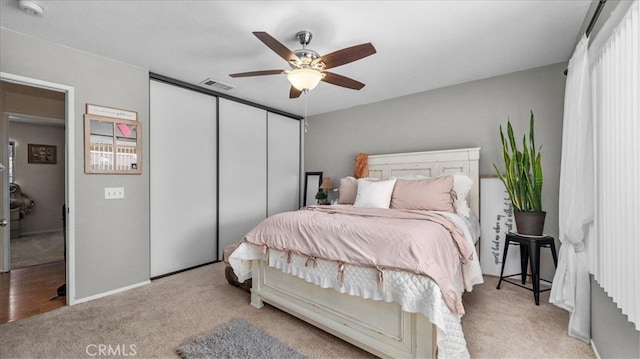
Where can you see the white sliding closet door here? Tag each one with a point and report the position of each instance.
(182, 169)
(243, 171)
(283, 163)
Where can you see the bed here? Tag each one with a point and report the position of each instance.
(384, 309)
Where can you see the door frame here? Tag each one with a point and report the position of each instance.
(5, 262)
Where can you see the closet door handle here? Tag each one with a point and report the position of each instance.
(3, 222)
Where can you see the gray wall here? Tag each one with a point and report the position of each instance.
(112, 237)
(464, 115)
(43, 183)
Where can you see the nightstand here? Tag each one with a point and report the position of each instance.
(529, 252)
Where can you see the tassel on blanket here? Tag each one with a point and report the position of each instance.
(341, 273)
(265, 254)
(380, 280)
(311, 259)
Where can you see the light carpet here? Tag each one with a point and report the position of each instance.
(237, 339)
(159, 317)
(37, 249)
(155, 319)
(506, 323)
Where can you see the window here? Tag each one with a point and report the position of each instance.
(615, 81)
(12, 150)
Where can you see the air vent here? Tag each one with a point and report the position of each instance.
(215, 85)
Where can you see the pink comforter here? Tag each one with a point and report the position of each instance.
(420, 242)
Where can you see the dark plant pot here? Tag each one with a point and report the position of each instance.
(530, 223)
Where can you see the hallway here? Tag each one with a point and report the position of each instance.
(36, 249)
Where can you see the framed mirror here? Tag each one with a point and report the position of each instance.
(112, 145)
(312, 182)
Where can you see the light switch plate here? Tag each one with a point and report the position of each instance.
(114, 193)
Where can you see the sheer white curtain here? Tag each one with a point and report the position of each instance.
(616, 114)
(571, 289)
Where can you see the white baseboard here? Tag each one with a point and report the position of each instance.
(595, 351)
(86, 299)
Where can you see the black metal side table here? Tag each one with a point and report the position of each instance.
(529, 252)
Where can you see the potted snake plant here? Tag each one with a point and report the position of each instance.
(523, 180)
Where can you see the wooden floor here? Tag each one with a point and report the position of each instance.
(26, 292)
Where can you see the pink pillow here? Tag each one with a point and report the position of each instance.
(433, 194)
(348, 190)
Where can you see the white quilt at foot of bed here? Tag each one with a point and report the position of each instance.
(414, 293)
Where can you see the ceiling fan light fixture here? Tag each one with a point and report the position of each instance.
(304, 79)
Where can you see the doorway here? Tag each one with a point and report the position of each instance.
(16, 122)
(36, 181)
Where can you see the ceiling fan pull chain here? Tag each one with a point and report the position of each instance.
(306, 106)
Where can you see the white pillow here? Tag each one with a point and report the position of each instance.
(462, 185)
(374, 194)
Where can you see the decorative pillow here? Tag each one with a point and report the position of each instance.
(348, 190)
(433, 194)
(462, 185)
(374, 194)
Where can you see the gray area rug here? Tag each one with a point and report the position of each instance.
(37, 249)
(237, 339)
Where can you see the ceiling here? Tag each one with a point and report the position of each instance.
(421, 45)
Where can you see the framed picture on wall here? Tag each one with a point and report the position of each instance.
(45, 154)
(312, 182)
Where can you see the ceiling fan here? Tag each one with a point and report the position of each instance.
(308, 68)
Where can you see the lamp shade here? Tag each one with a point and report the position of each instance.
(304, 79)
(326, 183)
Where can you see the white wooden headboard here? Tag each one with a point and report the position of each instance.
(431, 164)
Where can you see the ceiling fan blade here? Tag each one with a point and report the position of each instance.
(276, 46)
(345, 56)
(340, 80)
(257, 73)
(294, 92)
